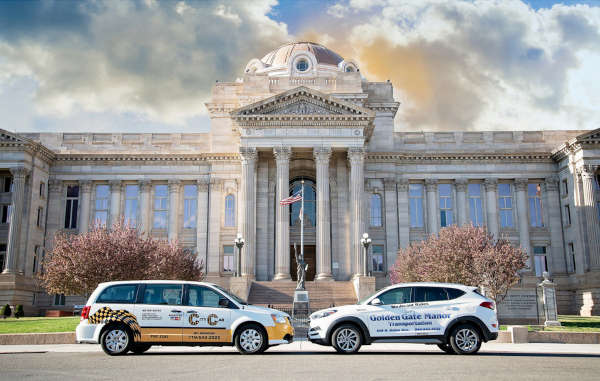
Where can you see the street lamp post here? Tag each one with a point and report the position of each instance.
(365, 241)
(239, 243)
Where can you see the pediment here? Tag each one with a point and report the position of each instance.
(9, 137)
(302, 101)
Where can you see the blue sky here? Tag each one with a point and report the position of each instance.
(146, 65)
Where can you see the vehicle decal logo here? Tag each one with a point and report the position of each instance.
(213, 319)
(106, 315)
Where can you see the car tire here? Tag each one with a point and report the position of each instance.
(346, 339)
(447, 348)
(251, 339)
(116, 340)
(465, 339)
(139, 348)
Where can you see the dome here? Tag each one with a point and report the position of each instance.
(281, 55)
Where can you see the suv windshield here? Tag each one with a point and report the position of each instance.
(364, 300)
(232, 296)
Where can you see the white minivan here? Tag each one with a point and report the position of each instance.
(134, 315)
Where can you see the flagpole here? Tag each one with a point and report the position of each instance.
(302, 223)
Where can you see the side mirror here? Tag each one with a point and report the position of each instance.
(376, 302)
(223, 302)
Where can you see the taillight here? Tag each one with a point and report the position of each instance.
(85, 313)
(489, 305)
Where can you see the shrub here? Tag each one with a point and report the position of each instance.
(5, 311)
(19, 311)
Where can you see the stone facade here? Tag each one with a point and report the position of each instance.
(305, 113)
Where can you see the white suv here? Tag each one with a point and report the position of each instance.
(455, 317)
(134, 315)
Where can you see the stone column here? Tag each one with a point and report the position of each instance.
(556, 262)
(213, 261)
(282, 214)
(248, 221)
(461, 201)
(56, 210)
(19, 175)
(115, 201)
(145, 206)
(202, 219)
(85, 187)
(590, 208)
(174, 187)
(491, 188)
(433, 206)
(403, 214)
(391, 221)
(521, 190)
(356, 155)
(322, 156)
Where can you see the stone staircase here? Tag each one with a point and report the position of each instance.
(321, 294)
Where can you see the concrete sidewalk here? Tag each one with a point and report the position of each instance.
(307, 347)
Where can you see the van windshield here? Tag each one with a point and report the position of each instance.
(232, 296)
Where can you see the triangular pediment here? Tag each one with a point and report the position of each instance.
(9, 137)
(302, 101)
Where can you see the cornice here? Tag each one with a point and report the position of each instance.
(435, 157)
(15, 142)
(588, 140)
(170, 157)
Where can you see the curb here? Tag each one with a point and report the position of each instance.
(38, 338)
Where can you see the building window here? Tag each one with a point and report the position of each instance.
(310, 210)
(230, 210)
(102, 204)
(40, 217)
(190, 206)
(376, 219)
(539, 256)
(6, 209)
(2, 256)
(7, 184)
(131, 204)
(572, 254)
(72, 207)
(415, 196)
(36, 251)
(534, 192)
(475, 204)
(377, 258)
(565, 187)
(161, 206)
(59, 299)
(42, 189)
(445, 192)
(228, 259)
(567, 215)
(505, 202)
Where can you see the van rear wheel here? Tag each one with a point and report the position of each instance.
(116, 340)
(139, 348)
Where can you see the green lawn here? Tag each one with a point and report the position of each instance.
(39, 324)
(571, 323)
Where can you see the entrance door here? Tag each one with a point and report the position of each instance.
(309, 257)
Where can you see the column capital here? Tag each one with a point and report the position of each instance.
(521, 184)
(115, 185)
(431, 185)
(85, 186)
(322, 154)
(282, 153)
(19, 172)
(551, 183)
(461, 185)
(389, 184)
(203, 183)
(174, 185)
(55, 186)
(402, 184)
(587, 171)
(216, 183)
(356, 155)
(491, 184)
(145, 185)
(248, 154)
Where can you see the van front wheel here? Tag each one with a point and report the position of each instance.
(251, 339)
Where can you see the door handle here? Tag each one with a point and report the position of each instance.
(176, 311)
(452, 308)
(192, 312)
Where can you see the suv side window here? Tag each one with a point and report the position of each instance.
(199, 296)
(124, 293)
(396, 296)
(167, 294)
(430, 294)
(454, 293)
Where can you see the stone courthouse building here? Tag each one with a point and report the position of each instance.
(304, 113)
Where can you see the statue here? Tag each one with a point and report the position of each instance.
(301, 268)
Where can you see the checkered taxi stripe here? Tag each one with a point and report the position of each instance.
(106, 315)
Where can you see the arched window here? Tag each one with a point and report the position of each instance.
(310, 207)
(376, 219)
(230, 210)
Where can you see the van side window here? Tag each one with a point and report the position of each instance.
(169, 294)
(124, 293)
(203, 297)
(454, 293)
(430, 294)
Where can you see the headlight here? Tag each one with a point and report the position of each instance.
(322, 314)
(279, 319)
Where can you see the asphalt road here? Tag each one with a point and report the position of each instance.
(311, 363)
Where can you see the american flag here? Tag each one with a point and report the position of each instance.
(292, 199)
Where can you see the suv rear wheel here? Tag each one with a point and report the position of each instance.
(465, 339)
(346, 339)
(251, 339)
(116, 340)
(447, 348)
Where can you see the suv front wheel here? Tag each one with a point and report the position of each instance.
(465, 339)
(346, 339)
(116, 340)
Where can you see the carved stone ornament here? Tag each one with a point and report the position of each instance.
(551, 183)
(174, 185)
(322, 154)
(301, 108)
(587, 171)
(248, 154)
(356, 155)
(203, 182)
(491, 184)
(521, 184)
(86, 186)
(282, 153)
(145, 185)
(461, 185)
(403, 185)
(19, 172)
(431, 185)
(55, 186)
